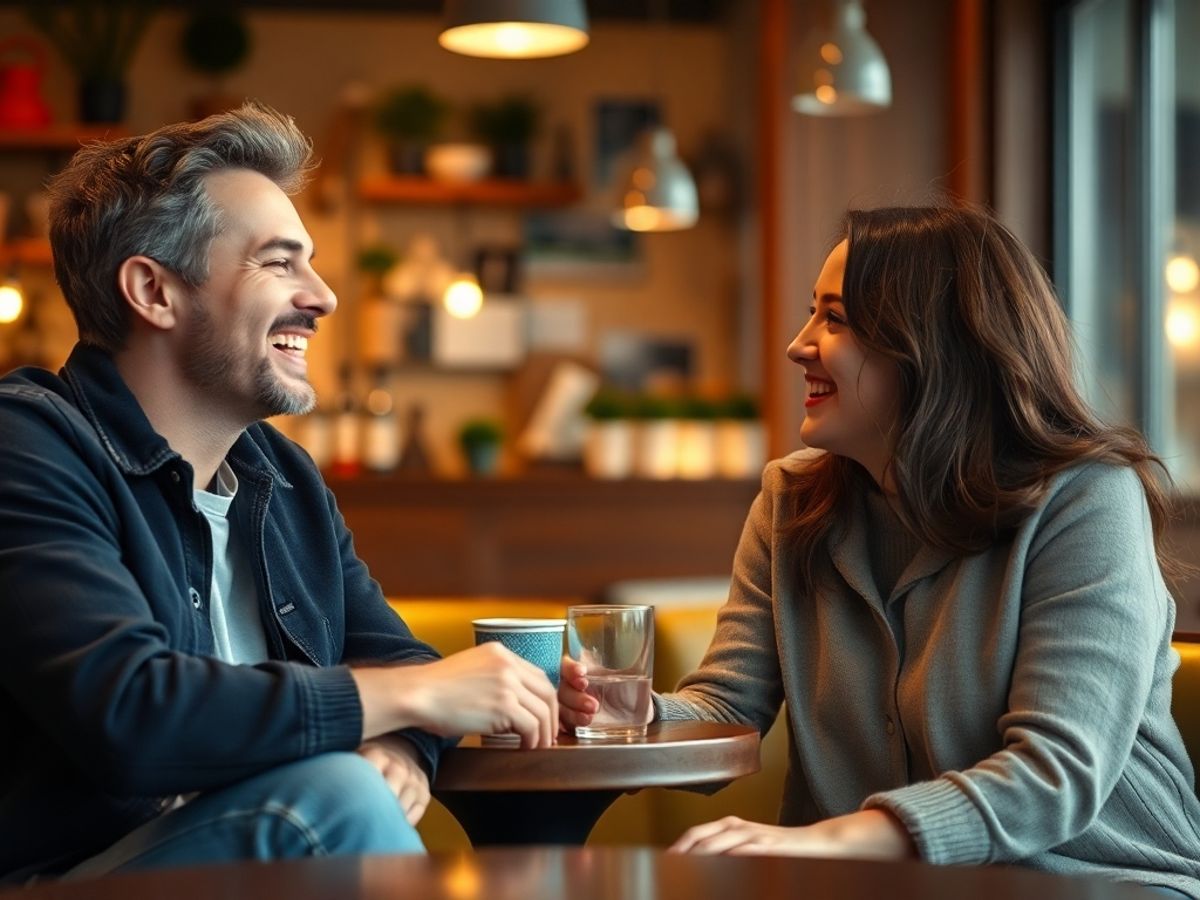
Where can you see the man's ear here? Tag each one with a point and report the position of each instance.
(152, 291)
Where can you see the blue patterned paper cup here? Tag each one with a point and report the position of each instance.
(540, 641)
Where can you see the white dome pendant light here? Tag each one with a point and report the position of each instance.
(514, 29)
(842, 72)
(657, 192)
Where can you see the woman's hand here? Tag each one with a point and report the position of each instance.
(869, 834)
(397, 759)
(575, 706)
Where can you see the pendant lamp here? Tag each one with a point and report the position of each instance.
(842, 71)
(514, 29)
(657, 192)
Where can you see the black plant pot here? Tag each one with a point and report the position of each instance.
(102, 100)
(407, 157)
(510, 160)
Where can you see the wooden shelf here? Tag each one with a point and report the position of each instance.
(489, 192)
(56, 137)
(26, 251)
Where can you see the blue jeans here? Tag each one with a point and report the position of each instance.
(336, 803)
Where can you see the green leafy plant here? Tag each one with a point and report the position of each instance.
(216, 41)
(479, 433)
(741, 407)
(697, 408)
(377, 259)
(510, 120)
(608, 405)
(97, 38)
(652, 406)
(411, 113)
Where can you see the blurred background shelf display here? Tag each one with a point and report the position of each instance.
(487, 192)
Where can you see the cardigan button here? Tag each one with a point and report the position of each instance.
(890, 727)
(195, 595)
(175, 476)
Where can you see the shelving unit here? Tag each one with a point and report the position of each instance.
(57, 137)
(26, 252)
(488, 192)
(53, 142)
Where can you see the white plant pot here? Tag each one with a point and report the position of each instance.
(657, 448)
(608, 449)
(741, 448)
(697, 453)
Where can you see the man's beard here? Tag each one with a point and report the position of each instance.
(212, 365)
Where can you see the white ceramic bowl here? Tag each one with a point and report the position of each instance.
(458, 162)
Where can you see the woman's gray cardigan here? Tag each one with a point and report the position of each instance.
(1027, 720)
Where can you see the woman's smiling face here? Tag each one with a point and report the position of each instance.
(852, 394)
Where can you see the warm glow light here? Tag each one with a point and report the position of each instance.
(513, 40)
(831, 53)
(1183, 324)
(463, 298)
(826, 94)
(651, 218)
(11, 303)
(1182, 274)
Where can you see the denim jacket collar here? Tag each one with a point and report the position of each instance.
(106, 401)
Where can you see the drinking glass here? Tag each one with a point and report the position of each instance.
(616, 644)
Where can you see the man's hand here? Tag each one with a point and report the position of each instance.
(575, 706)
(485, 690)
(868, 834)
(399, 762)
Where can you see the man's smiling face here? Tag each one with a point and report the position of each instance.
(247, 327)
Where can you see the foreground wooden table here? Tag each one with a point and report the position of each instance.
(506, 795)
(579, 874)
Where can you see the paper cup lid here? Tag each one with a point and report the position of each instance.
(519, 624)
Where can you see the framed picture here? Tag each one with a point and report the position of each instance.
(617, 124)
(582, 242)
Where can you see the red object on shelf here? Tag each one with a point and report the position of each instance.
(21, 103)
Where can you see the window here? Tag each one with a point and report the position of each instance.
(1127, 213)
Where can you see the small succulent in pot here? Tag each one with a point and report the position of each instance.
(410, 117)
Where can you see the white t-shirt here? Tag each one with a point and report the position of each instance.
(233, 598)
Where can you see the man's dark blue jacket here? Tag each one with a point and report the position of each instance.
(111, 697)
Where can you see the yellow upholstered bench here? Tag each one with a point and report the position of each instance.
(1185, 700)
(682, 634)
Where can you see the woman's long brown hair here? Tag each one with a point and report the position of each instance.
(988, 410)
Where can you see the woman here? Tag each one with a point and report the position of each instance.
(956, 591)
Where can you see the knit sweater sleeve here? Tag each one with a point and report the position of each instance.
(739, 678)
(1094, 615)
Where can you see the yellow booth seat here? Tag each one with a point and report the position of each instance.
(682, 634)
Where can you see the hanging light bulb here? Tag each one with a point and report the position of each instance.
(12, 301)
(843, 72)
(657, 192)
(514, 29)
(1183, 275)
(463, 297)
(1183, 324)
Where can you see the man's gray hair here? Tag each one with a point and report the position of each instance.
(146, 196)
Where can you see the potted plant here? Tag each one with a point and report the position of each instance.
(741, 438)
(215, 42)
(97, 38)
(381, 319)
(608, 443)
(697, 451)
(657, 438)
(409, 118)
(507, 125)
(480, 441)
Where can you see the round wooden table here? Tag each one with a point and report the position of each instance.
(603, 873)
(502, 794)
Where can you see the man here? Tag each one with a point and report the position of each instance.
(191, 651)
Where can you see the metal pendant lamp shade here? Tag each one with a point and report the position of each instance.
(657, 192)
(843, 72)
(514, 29)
